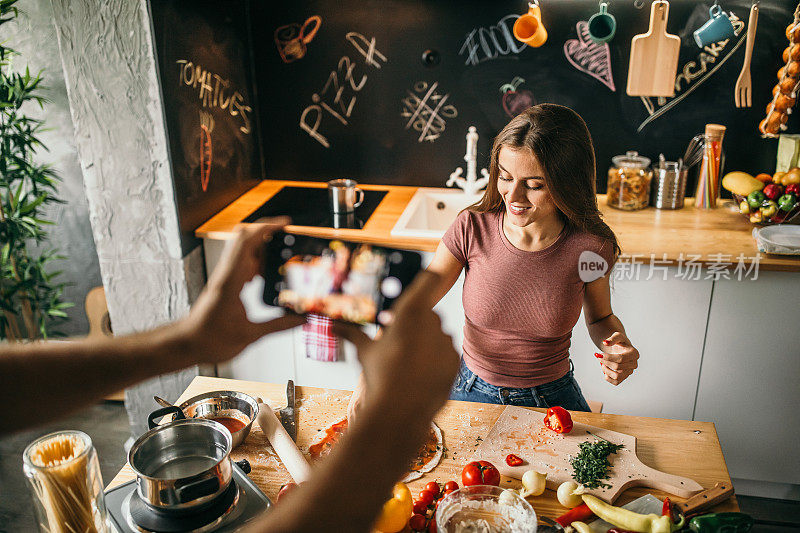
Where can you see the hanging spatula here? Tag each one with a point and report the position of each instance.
(654, 57)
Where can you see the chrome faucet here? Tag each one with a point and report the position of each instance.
(471, 184)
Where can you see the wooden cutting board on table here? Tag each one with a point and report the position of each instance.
(654, 57)
(522, 432)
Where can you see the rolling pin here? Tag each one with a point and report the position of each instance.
(283, 444)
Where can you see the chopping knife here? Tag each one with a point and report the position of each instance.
(286, 415)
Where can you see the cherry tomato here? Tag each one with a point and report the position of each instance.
(513, 460)
(451, 486)
(480, 473)
(432, 526)
(426, 496)
(420, 507)
(285, 489)
(417, 522)
(433, 487)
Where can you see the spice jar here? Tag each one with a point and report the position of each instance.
(629, 182)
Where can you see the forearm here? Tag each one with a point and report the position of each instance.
(44, 381)
(348, 490)
(603, 328)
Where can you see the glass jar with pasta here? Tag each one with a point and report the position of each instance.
(629, 182)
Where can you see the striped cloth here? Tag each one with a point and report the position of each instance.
(321, 344)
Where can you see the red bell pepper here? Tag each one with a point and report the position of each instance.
(558, 419)
(793, 188)
(581, 513)
(666, 510)
(514, 460)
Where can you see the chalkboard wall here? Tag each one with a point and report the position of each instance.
(205, 71)
(384, 91)
(384, 132)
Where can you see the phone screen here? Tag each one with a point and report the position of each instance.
(339, 279)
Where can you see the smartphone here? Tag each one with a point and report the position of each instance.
(343, 280)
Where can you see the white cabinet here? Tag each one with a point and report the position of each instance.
(665, 319)
(750, 379)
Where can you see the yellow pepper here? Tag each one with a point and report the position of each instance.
(396, 512)
(625, 519)
(581, 527)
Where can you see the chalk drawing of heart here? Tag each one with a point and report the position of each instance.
(590, 57)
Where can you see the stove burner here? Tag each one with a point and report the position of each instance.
(142, 517)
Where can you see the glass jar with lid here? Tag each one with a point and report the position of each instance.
(629, 182)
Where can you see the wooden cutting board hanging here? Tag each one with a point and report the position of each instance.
(521, 431)
(654, 57)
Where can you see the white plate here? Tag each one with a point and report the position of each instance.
(784, 235)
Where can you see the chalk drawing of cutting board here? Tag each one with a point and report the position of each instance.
(654, 57)
(522, 432)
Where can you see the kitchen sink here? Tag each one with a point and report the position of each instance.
(431, 211)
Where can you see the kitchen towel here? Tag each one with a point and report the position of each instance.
(321, 344)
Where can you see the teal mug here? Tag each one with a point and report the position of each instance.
(602, 25)
(718, 28)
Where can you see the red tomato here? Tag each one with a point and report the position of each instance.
(417, 522)
(514, 460)
(480, 473)
(426, 496)
(450, 486)
(433, 487)
(420, 507)
(432, 526)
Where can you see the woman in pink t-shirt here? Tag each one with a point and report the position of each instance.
(535, 251)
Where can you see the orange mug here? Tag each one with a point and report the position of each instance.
(529, 28)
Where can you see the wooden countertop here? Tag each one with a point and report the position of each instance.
(679, 447)
(670, 236)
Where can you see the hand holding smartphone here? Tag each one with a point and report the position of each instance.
(339, 279)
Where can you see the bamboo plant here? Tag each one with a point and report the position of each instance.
(31, 299)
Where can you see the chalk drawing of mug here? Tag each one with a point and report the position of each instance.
(292, 39)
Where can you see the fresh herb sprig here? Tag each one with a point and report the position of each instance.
(591, 465)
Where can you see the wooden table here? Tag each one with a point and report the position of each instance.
(675, 446)
(646, 235)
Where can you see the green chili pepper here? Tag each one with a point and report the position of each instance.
(721, 523)
(755, 199)
(787, 202)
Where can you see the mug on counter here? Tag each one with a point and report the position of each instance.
(602, 25)
(344, 195)
(529, 29)
(718, 28)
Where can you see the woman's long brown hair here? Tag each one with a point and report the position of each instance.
(560, 140)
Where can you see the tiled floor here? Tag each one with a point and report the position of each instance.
(107, 424)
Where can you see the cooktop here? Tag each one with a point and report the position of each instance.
(309, 206)
(240, 504)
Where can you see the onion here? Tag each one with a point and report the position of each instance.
(569, 494)
(533, 483)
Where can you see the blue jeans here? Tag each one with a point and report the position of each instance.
(563, 391)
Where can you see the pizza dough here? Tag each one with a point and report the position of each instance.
(428, 456)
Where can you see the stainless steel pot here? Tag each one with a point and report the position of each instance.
(183, 464)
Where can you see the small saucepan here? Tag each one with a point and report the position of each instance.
(181, 465)
(234, 410)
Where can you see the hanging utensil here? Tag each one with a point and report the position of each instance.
(743, 90)
(654, 57)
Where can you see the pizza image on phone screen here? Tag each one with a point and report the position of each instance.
(339, 279)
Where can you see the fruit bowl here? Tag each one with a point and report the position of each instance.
(760, 215)
(766, 199)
